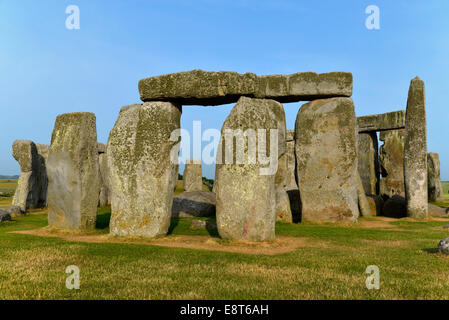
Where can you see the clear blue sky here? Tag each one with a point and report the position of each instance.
(46, 70)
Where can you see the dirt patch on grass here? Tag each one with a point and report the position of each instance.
(279, 246)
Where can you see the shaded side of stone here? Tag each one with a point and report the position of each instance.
(368, 161)
(434, 186)
(392, 163)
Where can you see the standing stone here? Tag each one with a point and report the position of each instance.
(415, 151)
(32, 185)
(326, 154)
(368, 161)
(365, 206)
(105, 198)
(246, 194)
(291, 161)
(435, 188)
(73, 173)
(392, 163)
(143, 168)
(193, 175)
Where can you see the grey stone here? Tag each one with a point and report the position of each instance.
(4, 216)
(31, 189)
(73, 172)
(194, 204)
(395, 207)
(380, 122)
(443, 246)
(193, 175)
(376, 203)
(246, 197)
(391, 160)
(291, 161)
(434, 185)
(326, 154)
(435, 211)
(202, 224)
(365, 207)
(142, 162)
(105, 194)
(13, 210)
(101, 148)
(368, 163)
(415, 151)
(283, 209)
(199, 87)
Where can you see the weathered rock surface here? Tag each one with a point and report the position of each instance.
(246, 197)
(105, 194)
(12, 210)
(199, 87)
(366, 208)
(395, 207)
(415, 151)
(391, 160)
(193, 175)
(443, 246)
(326, 153)
(73, 172)
(368, 163)
(376, 203)
(143, 167)
(434, 186)
(380, 122)
(194, 204)
(435, 211)
(4, 216)
(202, 225)
(31, 189)
(283, 209)
(291, 161)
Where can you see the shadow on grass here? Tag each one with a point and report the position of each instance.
(103, 218)
(431, 250)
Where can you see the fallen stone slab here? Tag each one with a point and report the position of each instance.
(194, 204)
(199, 87)
(13, 210)
(380, 122)
(4, 216)
(202, 225)
(437, 212)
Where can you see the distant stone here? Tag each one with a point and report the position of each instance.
(291, 161)
(202, 224)
(13, 210)
(368, 164)
(415, 151)
(435, 211)
(326, 154)
(443, 246)
(73, 172)
(101, 148)
(283, 209)
(365, 207)
(246, 193)
(193, 175)
(105, 194)
(143, 169)
(4, 216)
(391, 160)
(199, 87)
(434, 186)
(380, 122)
(395, 207)
(194, 204)
(31, 189)
(376, 203)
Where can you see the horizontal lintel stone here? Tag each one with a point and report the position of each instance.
(381, 122)
(199, 87)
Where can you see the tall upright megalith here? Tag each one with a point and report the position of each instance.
(32, 185)
(435, 188)
(246, 197)
(142, 161)
(291, 160)
(73, 173)
(415, 151)
(368, 161)
(105, 198)
(326, 154)
(193, 175)
(391, 160)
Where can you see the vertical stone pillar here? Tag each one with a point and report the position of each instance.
(32, 185)
(291, 161)
(392, 163)
(246, 197)
(105, 199)
(326, 154)
(73, 173)
(368, 161)
(142, 161)
(193, 175)
(435, 188)
(415, 151)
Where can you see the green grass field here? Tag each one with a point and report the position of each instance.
(329, 263)
(7, 186)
